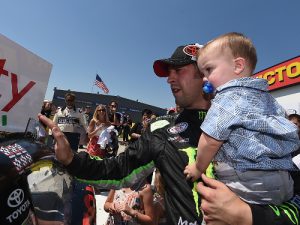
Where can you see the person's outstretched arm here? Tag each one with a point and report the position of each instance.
(136, 162)
(63, 150)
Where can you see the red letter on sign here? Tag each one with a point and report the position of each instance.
(2, 70)
(16, 96)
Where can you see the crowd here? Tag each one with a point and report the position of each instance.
(245, 142)
(86, 129)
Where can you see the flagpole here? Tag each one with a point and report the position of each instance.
(93, 84)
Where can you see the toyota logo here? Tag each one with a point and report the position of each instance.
(15, 198)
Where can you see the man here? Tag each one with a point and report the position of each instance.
(127, 123)
(295, 118)
(170, 144)
(88, 114)
(71, 121)
(88, 117)
(139, 127)
(113, 115)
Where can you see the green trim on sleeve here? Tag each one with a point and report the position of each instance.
(191, 153)
(129, 180)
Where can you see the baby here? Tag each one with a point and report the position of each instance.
(245, 131)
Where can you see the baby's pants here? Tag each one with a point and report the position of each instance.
(259, 186)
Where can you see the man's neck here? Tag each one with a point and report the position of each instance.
(201, 105)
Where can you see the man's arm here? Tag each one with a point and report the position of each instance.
(63, 151)
(133, 131)
(221, 205)
(114, 172)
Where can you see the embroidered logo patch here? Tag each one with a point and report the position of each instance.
(178, 128)
(191, 50)
(158, 124)
(178, 139)
(18, 156)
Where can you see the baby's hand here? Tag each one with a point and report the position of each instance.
(192, 173)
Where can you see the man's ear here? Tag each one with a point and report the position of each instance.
(239, 65)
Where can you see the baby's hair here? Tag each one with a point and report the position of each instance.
(240, 46)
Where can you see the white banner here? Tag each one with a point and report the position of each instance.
(24, 78)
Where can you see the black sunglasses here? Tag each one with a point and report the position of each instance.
(101, 110)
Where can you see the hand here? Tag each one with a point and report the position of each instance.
(62, 147)
(100, 126)
(123, 207)
(220, 204)
(192, 172)
(112, 209)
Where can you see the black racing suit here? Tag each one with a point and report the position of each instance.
(169, 144)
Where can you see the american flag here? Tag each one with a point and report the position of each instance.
(100, 84)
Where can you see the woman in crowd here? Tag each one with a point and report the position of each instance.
(158, 200)
(130, 206)
(98, 123)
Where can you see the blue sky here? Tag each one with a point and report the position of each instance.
(120, 40)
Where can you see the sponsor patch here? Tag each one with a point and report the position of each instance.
(178, 128)
(15, 198)
(178, 139)
(158, 124)
(18, 156)
(191, 50)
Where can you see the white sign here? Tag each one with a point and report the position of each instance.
(289, 98)
(24, 78)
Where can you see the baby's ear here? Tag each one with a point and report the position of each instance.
(239, 65)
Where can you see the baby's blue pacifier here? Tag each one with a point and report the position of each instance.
(208, 88)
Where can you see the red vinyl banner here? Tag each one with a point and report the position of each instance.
(283, 74)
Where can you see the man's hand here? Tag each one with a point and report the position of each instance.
(62, 147)
(221, 205)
